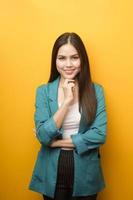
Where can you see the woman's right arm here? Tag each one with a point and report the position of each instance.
(60, 114)
(68, 98)
(47, 127)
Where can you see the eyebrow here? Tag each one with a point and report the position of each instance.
(71, 55)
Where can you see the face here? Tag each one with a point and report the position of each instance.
(68, 62)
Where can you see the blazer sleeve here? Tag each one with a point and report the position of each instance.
(46, 129)
(96, 133)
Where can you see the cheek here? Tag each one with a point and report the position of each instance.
(77, 63)
(78, 70)
(59, 66)
(59, 63)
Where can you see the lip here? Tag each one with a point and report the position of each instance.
(69, 71)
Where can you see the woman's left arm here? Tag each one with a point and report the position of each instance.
(62, 143)
(95, 136)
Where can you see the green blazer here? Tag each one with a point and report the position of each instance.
(88, 176)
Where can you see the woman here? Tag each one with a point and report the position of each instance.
(70, 121)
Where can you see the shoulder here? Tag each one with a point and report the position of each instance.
(99, 89)
(45, 87)
(41, 89)
(97, 85)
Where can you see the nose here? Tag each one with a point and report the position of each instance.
(68, 63)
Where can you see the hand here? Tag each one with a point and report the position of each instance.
(62, 143)
(68, 88)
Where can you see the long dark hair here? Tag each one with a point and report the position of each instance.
(87, 96)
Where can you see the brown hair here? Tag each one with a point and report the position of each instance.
(87, 96)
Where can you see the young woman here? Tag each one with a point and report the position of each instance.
(71, 124)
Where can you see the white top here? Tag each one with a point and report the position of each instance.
(71, 121)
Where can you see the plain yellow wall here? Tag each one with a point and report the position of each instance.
(28, 30)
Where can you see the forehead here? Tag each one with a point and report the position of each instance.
(67, 49)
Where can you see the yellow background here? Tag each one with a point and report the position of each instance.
(28, 30)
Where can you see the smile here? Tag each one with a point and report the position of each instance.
(69, 71)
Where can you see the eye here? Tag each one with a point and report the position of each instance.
(61, 58)
(75, 57)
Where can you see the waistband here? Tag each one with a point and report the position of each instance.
(67, 151)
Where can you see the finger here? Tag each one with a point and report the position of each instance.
(70, 81)
(71, 85)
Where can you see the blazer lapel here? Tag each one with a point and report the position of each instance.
(53, 95)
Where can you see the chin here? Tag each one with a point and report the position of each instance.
(72, 76)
